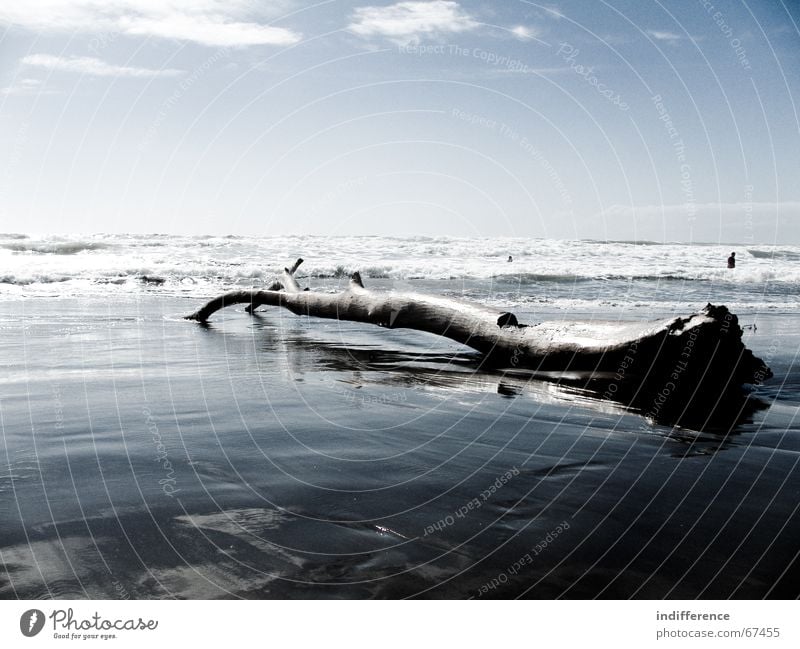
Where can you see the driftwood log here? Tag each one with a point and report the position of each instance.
(665, 368)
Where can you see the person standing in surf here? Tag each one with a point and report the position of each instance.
(732, 260)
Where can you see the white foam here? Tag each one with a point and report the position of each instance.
(560, 270)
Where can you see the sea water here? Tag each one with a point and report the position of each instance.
(564, 274)
(272, 455)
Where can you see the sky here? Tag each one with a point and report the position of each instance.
(620, 119)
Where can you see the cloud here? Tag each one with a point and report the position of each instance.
(26, 87)
(95, 67)
(208, 22)
(408, 21)
(212, 33)
(523, 33)
(663, 36)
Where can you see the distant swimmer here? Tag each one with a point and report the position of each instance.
(732, 260)
(510, 259)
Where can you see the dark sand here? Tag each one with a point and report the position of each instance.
(146, 457)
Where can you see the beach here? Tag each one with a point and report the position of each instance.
(276, 456)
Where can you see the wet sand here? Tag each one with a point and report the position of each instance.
(144, 456)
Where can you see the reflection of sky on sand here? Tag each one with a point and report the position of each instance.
(247, 552)
(364, 374)
(309, 458)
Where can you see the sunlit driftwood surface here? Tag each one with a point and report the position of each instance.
(667, 367)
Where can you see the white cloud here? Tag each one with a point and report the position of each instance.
(208, 22)
(94, 67)
(663, 36)
(24, 87)
(522, 32)
(408, 21)
(208, 32)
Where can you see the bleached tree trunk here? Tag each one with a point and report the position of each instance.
(675, 358)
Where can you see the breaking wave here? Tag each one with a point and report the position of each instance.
(33, 279)
(53, 247)
(778, 254)
(546, 269)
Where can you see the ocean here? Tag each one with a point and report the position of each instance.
(277, 456)
(570, 276)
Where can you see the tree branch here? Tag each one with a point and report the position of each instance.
(679, 355)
